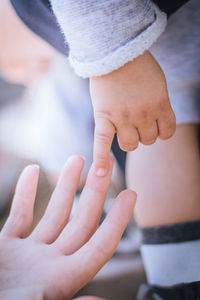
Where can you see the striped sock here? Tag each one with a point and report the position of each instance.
(171, 253)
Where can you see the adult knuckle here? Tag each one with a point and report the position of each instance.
(99, 250)
(85, 226)
(18, 215)
(95, 189)
(63, 191)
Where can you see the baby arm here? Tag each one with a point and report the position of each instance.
(107, 43)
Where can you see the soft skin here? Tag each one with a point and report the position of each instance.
(60, 256)
(24, 56)
(133, 102)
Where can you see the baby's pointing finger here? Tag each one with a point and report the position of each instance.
(103, 137)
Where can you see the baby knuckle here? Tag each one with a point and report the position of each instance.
(148, 142)
(125, 115)
(128, 147)
(103, 138)
(144, 114)
(102, 114)
(163, 104)
(171, 125)
(167, 135)
(168, 132)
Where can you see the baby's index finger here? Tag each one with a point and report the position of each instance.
(103, 137)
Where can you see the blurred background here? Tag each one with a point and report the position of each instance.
(45, 121)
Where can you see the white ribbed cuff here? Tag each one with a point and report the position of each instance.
(170, 264)
(125, 53)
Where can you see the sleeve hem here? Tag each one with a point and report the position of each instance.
(123, 54)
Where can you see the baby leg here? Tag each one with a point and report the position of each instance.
(166, 177)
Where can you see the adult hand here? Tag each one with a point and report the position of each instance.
(59, 256)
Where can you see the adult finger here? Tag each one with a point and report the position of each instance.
(166, 124)
(148, 133)
(128, 138)
(59, 208)
(88, 212)
(103, 137)
(21, 214)
(98, 250)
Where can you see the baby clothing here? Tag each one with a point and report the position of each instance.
(177, 49)
(104, 35)
(38, 16)
(129, 22)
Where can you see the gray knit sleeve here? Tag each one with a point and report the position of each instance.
(103, 35)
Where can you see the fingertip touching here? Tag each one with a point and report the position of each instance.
(103, 172)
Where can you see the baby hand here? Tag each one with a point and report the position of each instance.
(133, 102)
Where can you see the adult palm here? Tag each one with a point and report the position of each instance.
(60, 256)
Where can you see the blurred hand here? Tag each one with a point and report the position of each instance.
(57, 259)
(133, 102)
(24, 56)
